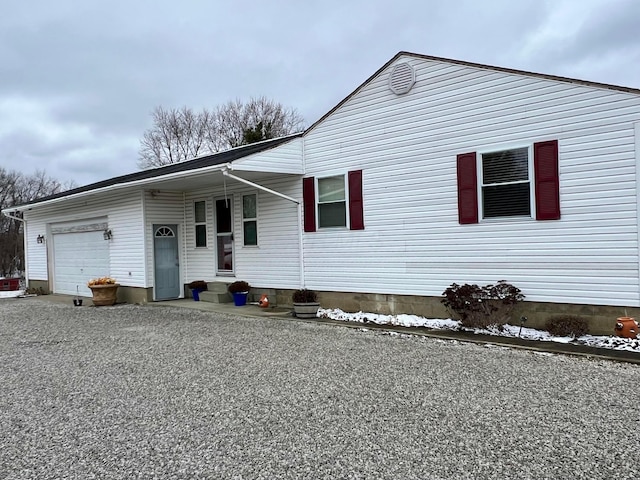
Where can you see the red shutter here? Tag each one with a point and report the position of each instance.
(467, 188)
(356, 212)
(309, 203)
(547, 181)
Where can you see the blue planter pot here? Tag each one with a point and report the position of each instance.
(240, 298)
(196, 294)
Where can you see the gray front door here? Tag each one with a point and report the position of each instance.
(167, 262)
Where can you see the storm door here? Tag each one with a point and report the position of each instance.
(166, 262)
(224, 236)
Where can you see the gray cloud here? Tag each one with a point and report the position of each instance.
(79, 79)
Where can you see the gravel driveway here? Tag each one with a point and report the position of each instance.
(131, 392)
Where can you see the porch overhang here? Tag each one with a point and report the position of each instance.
(203, 172)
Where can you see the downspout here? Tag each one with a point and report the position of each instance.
(24, 241)
(636, 128)
(185, 253)
(226, 173)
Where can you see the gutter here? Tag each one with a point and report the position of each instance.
(146, 181)
(226, 172)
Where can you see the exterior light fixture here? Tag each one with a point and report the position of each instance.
(107, 235)
(40, 239)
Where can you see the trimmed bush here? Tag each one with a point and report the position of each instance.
(481, 307)
(567, 326)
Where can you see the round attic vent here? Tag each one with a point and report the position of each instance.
(402, 78)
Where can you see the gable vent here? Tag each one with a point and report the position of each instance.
(402, 78)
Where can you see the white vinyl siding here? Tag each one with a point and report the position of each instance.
(285, 158)
(275, 263)
(125, 219)
(407, 145)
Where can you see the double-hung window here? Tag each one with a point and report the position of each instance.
(332, 204)
(506, 190)
(200, 220)
(250, 220)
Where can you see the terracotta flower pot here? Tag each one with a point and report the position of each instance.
(104, 294)
(626, 327)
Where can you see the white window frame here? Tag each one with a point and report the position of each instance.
(196, 224)
(345, 178)
(530, 179)
(250, 220)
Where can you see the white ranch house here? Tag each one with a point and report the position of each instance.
(432, 171)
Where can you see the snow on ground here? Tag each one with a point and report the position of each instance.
(403, 320)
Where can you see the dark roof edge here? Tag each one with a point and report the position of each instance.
(589, 83)
(203, 161)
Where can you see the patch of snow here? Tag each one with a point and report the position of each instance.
(513, 331)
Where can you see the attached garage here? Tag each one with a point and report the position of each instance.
(80, 253)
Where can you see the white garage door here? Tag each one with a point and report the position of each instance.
(79, 257)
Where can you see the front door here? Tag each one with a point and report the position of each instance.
(167, 262)
(224, 236)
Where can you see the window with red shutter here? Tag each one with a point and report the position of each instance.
(506, 189)
(334, 200)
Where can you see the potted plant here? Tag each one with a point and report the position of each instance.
(239, 290)
(196, 287)
(305, 303)
(104, 290)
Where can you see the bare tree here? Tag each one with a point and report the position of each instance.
(176, 135)
(237, 123)
(181, 134)
(15, 189)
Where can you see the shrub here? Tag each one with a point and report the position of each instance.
(239, 286)
(36, 291)
(304, 296)
(567, 326)
(481, 307)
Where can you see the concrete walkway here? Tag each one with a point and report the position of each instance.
(286, 313)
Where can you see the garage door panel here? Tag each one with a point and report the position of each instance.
(79, 257)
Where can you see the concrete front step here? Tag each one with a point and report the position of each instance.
(217, 293)
(215, 297)
(217, 287)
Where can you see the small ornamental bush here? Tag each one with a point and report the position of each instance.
(567, 326)
(305, 296)
(239, 286)
(481, 307)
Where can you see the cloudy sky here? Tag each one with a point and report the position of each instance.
(79, 79)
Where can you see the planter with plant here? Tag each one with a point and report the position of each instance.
(240, 291)
(305, 303)
(104, 291)
(196, 287)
